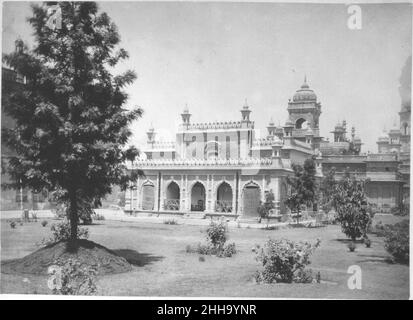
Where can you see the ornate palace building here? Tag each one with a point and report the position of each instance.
(226, 167)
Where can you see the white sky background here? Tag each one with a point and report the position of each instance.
(214, 55)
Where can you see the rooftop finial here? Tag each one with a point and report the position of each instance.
(305, 85)
(246, 104)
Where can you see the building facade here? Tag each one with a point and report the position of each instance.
(226, 167)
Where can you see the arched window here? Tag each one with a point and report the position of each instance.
(301, 124)
(228, 147)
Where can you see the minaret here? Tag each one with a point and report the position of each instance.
(271, 128)
(245, 112)
(186, 117)
(151, 136)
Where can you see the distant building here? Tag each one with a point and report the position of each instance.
(227, 167)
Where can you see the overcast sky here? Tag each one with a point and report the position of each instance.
(212, 56)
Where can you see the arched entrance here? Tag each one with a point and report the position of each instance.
(172, 197)
(224, 198)
(251, 200)
(198, 197)
(148, 196)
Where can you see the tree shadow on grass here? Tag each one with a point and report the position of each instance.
(137, 259)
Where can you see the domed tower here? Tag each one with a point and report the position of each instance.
(304, 112)
(383, 142)
(304, 107)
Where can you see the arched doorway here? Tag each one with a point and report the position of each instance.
(224, 198)
(172, 197)
(251, 200)
(148, 196)
(198, 197)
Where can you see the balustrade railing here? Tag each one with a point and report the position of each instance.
(223, 206)
(171, 204)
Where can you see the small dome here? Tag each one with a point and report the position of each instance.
(271, 123)
(384, 136)
(304, 93)
(357, 139)
(288, 123)
(186, 110)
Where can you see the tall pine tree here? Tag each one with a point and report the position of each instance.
(71, 127)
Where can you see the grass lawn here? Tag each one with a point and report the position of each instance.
(161, 267)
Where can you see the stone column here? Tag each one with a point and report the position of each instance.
(234, 193)
(240, 204)
(161, 194)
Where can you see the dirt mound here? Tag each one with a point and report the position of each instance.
(87, 253)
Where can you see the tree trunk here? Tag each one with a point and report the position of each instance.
(74, 219)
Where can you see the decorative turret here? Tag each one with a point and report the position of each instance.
(151, 135)
(271, 128)
(19, 45)
(288, 128)
(340, 132)
(276, 147)
(186, 117)
(309, 135)
(245, 112)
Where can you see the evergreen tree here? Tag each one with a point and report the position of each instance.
(327, 190)
(71, 129)
(351, 205)
(303, 186)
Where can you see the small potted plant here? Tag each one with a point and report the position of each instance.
(351, 246)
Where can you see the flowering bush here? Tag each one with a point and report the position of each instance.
(70, 278)
(61, 232)
(216, 234)
(396, 241)
(285, 261)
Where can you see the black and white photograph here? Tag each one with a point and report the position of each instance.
(206, 150)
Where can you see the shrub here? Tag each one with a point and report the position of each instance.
(227, 251)
(44, 223)
(170, 221)
(61, 232)
(201, 259)
(60, 211)
(285, 261)
(367, 242)
(351, 246)
(379, 229)
(400, 210)
(396, 241)
(70, 278)
(13, 224)
(216, 234)
(99, 217)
